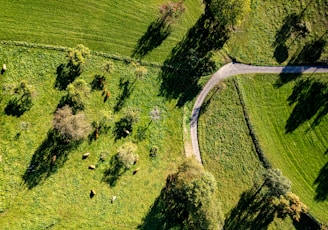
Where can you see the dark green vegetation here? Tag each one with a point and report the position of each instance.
(44, 180)
(186, 202)
(291, 123)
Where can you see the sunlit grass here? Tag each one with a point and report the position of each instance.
(62, 199)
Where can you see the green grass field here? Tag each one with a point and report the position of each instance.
(109, 26)
(227, 149)
(61, 198)
(292, 137)
(271, 34)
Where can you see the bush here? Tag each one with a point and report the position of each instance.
(22, 99)
(126, 154)
(76, 94)
(70, 127)
(140, 71)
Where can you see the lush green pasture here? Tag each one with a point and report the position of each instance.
(107, 25)
(60, 198)
(271, 33)
(291, 131)
(227, 149)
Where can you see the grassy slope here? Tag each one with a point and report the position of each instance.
(227, 149)
(300, 154)
(109, 26)
(253, 40)
(63, 198)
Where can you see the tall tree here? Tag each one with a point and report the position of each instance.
(190, 196)
(276, 183)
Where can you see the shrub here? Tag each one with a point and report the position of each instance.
(22, 99)
(70, 127)
(140, 71)
(126, 154)
(76, 94)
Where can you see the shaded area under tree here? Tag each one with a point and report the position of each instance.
(156, 33)
(310, 100)
(126, 88)
(322, 184)
(191, 59)
(113, 173)
(47, 159)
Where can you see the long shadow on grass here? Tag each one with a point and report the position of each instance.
(113, 173)
(309, 55)
(122, 128)
(47, 159)
(156, 33)
(293, 24)
(322, 184)
(66, 74)
(310, 97)
(126, 90)
(250, 213)
(191, 58)
(165, 213)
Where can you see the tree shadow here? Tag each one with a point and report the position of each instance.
(126, 90)
(98, 83)
(191, 58)
(47, 159)
(306, 222)
(322, 184)
(250, 213)
(293, 25)
(310, 97)
(66, 74)
(309, 55)
(165, 213)
(99, 127)
(156, 33)
(113, 173)
(122, 128)
(18, 106)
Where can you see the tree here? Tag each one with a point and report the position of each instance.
(289, 204)
(76, 57)
(66, 73)
(109, 67)
(171, 11)
(70, 127)
(76, 94)
(227, 12)
(276, 183)
(126, 154)
(22, 100)
(190, 196)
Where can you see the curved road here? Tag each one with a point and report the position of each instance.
(232, 69)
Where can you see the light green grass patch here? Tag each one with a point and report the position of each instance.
(299, 154)
(62, 199)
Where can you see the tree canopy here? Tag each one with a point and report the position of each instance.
(191, 193)
(228, 12)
